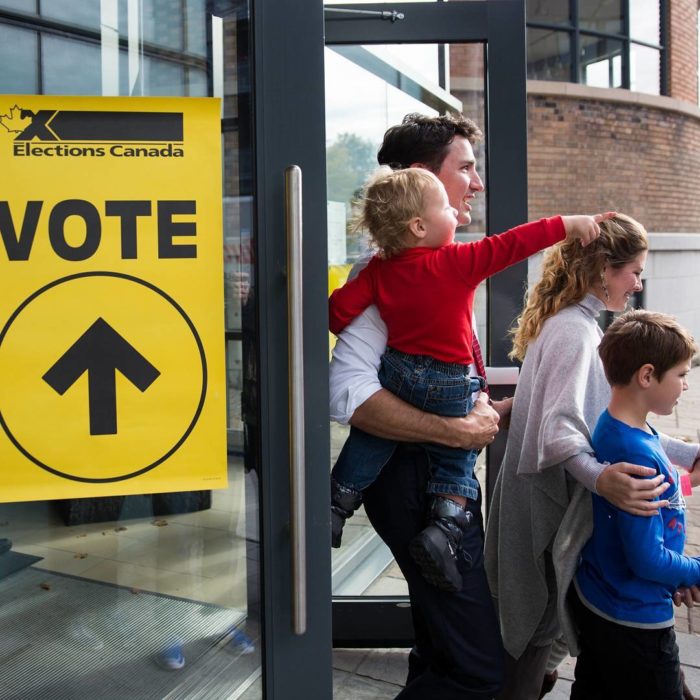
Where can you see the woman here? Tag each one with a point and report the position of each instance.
(540, 515)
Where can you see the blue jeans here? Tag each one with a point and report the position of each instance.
(433, 386)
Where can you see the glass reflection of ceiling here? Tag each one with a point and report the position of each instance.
(361, 103)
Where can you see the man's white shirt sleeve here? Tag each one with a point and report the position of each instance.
(355, 364)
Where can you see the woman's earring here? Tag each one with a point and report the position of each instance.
(605, 287)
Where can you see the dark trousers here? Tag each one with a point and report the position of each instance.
(624, 662)
(458, 653)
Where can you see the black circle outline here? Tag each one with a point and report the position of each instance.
(202, 356)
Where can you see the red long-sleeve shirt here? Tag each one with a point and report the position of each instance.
(426, 295)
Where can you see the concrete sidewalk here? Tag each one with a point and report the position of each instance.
(378, 674)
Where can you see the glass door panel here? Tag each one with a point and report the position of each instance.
(368, 89)
(155, 595)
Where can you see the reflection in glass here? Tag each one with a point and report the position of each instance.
(601, 15)
(645, 20)
(362, 101)
(163, 77)
(70, 67)
(26, 6)
(18, 49)
(153, 594)
(554, 11)
(85, 13)
(548, 55)
(162, 26)
(645, 69)
(601, 62)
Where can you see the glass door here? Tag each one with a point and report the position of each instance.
(148, 595)
(382, 62)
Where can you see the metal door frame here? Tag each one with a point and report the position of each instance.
(500, 26)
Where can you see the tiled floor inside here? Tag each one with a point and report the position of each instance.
(200, 556)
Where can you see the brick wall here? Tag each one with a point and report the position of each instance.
(683, 50)
(589, 155)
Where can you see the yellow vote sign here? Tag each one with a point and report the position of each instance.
(112, 370)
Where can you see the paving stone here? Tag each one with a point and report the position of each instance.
(347, 686)
(387, 664)
(348, 659)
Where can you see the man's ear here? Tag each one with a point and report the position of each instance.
(415, 226)
(644, 375)
(419, 165)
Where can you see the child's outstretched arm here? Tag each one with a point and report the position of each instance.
(585, 228)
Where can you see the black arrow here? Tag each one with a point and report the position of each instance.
(100, 351)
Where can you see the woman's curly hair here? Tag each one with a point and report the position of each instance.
(569, 271)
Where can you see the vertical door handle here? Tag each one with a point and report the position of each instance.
(297, 475)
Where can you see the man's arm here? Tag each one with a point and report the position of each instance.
(387, 416)
(356, 396)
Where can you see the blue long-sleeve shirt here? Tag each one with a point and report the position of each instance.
(632, 564)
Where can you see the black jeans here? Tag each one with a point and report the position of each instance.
(458, 653)
(624, 662)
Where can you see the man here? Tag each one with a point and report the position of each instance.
(458, 651)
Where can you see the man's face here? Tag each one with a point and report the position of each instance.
(460, 178)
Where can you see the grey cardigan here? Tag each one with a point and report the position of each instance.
(536, 506)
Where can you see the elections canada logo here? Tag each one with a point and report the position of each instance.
(79, 133)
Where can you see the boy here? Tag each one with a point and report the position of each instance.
(423, 284)
(631, 566)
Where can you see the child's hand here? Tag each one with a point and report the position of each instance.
(585, 228)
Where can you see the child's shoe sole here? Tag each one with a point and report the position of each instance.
(431, 551)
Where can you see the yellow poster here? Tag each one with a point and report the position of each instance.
(112, 374)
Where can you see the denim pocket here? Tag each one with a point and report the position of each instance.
(452, 398)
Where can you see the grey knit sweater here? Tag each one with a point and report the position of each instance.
(536, 506)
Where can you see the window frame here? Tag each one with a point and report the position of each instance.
(575, 32)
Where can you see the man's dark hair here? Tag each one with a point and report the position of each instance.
(426, 140)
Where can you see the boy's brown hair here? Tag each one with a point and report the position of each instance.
(391, 199)
(640, 337)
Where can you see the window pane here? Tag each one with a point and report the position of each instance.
(601, 62)
(645, 69)
(555, 11)
(548, 55)
(196, 27)
(27, 6)
(163, 78)
(85, 13)
(363, 99)
(645, 21)
(70, 67)
(197, 85)
(601, 15)
(18, 60)
(162, 26)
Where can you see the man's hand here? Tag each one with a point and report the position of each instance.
(387, 416)
(617, 485)
(686, 596)
(585, 228)
(503, 408)
(476, 430)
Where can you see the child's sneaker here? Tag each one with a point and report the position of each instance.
(435, 549)
(171, 658)
(344, 502)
